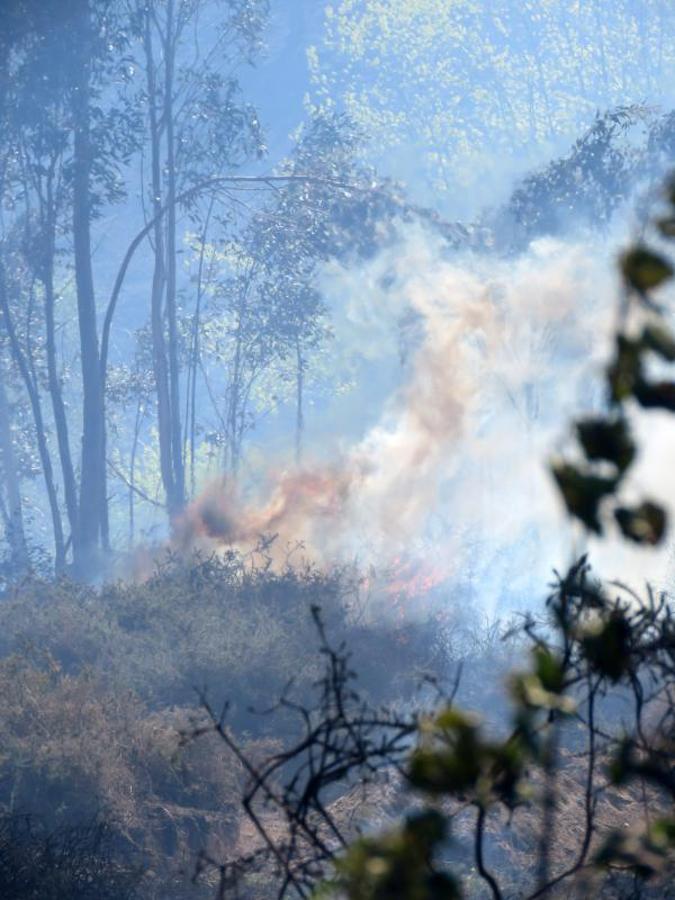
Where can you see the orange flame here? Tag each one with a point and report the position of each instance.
(301, 505)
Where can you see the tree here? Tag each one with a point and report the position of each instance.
(92, 524)
(197, 126)
(12, 511)
(308, 224)
(438, 86)
(624, 149)
(63, 152)
(273, 322)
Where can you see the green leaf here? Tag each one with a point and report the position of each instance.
(644, 524)
(645, 851)
(625, 371)
(643, 269)
(450, 771)
(450, 755)
(621, 763)
(397, 865)
(667, 226)
(663, 832)
(607, 440)
(582, 493)
(453, 719)
(608, 648)
(428, 827)
(507, 769)
(660, 340)
(655, 394)
(548, 669)
(529, 691)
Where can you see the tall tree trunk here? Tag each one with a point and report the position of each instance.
(92, 523)
(38, 420)
(178, 500)
(16, 534)
(299, 400)
(159, 355)
(193, 363)
(55, 392)
(132, 473)
(233, 417)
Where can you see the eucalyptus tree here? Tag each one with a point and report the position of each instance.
(196, 125)
(65, 143)
(11, 508)
(33, 160)
(303, 226)
(130, 391)
(440, 87)
(266, 322)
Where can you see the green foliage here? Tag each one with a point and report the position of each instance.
(542, 688)
(655, 395)
(594, 643)
(608, 439)
(646, 852)
(644, 524)
(607, 646)
(395, 867)
(625, 369)
(659, 340)
(454, 758)
(589, 182)
(645, 270)
(439, 85)
(583, 492)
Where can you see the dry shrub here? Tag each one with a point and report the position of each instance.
(66, 864)
(98, 684)
(74, 751)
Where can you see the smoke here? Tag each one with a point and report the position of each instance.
(497, 355)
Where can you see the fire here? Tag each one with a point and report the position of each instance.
(303, 507)
(453, 437)
(410, 578)
(307, 507)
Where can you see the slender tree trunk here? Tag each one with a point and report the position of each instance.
(38, 420)
(236, 413)
(159, 355)
(132, 473)
(233, 417)
(16, 534)
(178, 500)
(55, 392)
(93, 519)
(191, 391)
(299, 399)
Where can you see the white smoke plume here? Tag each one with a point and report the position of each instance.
(453, 477)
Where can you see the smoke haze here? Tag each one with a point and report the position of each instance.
(495, 355)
